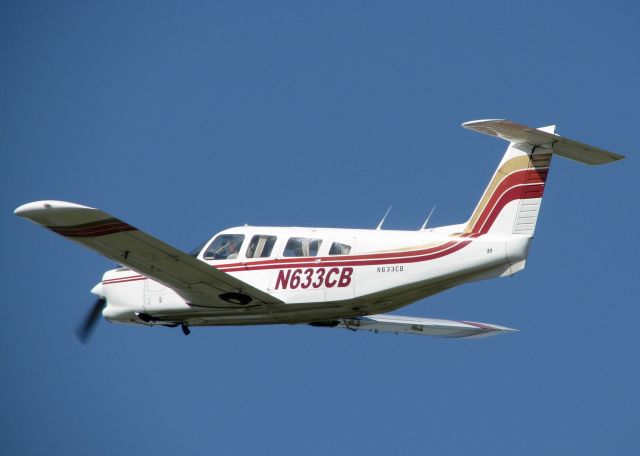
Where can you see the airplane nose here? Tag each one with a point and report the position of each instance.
(98, 290)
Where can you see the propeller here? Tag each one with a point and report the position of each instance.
(88, 325)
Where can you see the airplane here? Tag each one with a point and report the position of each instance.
(324, 277)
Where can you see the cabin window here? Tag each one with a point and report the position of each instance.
(297, 247)
(261, 246)
(224, 247)
(339, 249)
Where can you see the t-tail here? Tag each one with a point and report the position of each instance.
(511, 203)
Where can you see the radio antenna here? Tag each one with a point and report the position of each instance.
(383, 219)
(424, 225)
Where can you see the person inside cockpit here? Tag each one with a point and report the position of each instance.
(224, 247)
(232, 249)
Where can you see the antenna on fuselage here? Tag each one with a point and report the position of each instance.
(424, 225)
(379, 227)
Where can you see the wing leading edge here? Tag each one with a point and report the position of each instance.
(197, 282)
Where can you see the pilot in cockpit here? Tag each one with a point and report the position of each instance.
(232, 249)
(224, 247)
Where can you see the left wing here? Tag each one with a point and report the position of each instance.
(197, 282)
(422, 326)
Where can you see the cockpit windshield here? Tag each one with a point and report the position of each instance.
(194, 252)
(224, 247)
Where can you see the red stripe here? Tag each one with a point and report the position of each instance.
(124, 279)
(137, 276)
(489, 216)
(100, 230)
(479, 325)
(513, 194)
(452, 247)
(536, 176)
(101, 233)
(509, 181)
(91, 227)
(334, 260)
(513, 179)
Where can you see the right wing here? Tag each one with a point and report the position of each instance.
(421, 326)
(194, 280)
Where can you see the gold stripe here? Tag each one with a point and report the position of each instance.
(413, 247)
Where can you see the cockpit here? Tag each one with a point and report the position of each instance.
(224, 247)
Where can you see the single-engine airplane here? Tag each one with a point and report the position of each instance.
(328, 277)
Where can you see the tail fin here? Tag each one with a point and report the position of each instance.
(511, 202)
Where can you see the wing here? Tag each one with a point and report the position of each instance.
(194, 280)
(422, 326)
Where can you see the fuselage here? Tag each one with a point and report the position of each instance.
(322, 273)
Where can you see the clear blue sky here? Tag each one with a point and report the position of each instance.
(184, 118)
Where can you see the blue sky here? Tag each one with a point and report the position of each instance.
(184, 118)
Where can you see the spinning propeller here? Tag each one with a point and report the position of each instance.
(85, 330)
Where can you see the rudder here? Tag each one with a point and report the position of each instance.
(532, 192)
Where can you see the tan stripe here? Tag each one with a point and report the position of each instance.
(413, 247)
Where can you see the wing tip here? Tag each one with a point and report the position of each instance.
(488, 329)
(38, 207)
(474, 123)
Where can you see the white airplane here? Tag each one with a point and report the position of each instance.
(327, 277)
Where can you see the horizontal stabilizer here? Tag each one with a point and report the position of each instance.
(422, 326)
(521, 134)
